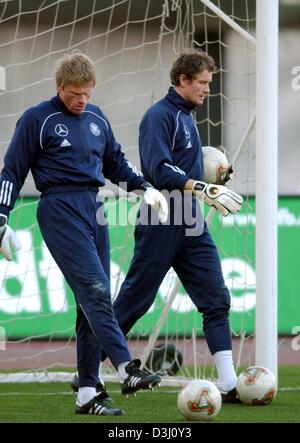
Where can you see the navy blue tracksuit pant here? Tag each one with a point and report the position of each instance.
(80, 247)
(195, 260)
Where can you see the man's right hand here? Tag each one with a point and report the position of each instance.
(8, 238)
(222, 198)
(157, 200)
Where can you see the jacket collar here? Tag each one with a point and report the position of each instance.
(177, 100)
(59, 104)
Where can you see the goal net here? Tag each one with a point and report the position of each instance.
(133, 44)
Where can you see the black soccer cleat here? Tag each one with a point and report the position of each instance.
(97, 407)
(138, 379)
(230, 396)
(100, 388)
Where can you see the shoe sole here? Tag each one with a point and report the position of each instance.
(108, 412)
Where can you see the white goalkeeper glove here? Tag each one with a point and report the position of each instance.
(156, 200)
(225, 174)
(8, 238)
(217, 169)
(222, 198)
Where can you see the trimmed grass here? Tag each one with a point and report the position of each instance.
(54, 403)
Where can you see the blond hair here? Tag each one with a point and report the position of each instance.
(76, 68)
(190, 63)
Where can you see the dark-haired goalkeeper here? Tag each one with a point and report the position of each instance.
(171, 159)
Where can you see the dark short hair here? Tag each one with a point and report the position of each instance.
(190, 63)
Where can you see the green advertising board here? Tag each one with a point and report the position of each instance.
(35, 300)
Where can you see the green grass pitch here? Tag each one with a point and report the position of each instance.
(54, 403)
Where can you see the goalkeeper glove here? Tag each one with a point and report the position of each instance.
(7, 238)
(222, 198)
(225, 174)
(156, 200)
(217, 169)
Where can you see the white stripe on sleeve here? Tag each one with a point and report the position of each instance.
(175, 168)
(6, 192)
(2, 191)
(9, 194)
(134, 169)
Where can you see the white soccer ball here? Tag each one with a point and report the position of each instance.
(215, 164)
(256, 386)
(199, 400)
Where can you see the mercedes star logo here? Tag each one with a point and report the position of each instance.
(61, 130)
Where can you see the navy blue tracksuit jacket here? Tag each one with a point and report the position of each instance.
(70, 156)
(171, 153)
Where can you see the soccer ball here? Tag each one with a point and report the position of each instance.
(215, 164)
(256, 386)
(199, 400)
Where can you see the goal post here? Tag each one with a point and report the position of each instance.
(133, 44)
(266, 343)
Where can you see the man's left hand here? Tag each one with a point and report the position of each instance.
(224, 174)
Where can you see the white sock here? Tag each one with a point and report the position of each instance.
(121, 370)
(225, 369)
(85, 395)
